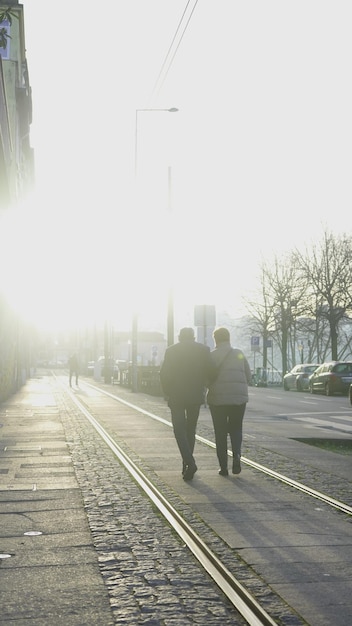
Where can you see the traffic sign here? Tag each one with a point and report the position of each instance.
(255, 341)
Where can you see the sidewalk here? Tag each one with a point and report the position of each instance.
(49, 571)
(108, 561)
(53, 574)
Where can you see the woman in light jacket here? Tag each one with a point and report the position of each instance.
(227, 398)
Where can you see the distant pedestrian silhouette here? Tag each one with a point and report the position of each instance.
(74, 367)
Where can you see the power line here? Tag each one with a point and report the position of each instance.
(165, 68)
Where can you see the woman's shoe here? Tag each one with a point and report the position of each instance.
(223, 472)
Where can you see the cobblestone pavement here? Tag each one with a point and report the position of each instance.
(151, 576)
(330, 483)
(146, 574)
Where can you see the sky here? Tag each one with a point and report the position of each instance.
(127, 202)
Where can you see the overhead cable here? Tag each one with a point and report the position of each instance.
(165, 68)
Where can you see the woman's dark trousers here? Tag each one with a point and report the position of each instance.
(227, 420)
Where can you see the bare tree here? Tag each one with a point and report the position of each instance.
(262, 316)
(280, 301)
(327, 271)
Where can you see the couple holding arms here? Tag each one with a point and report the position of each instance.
(188, 368)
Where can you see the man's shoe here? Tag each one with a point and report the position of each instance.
(189, 472)
(236, 465)
(223, 472)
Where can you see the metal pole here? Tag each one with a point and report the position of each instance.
(170, 303)
(272, 360)
(135, 314)
(170, 318)
(134, 337)
(134, 352)
(107, 359)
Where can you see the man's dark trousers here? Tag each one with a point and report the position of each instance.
(184, 422)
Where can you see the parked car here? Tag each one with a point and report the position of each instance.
(332, 377)
(298, 377)
(350, 394)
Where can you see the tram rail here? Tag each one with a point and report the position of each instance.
(244, 602)
(296, 485)
(245, 549)
(240, 598)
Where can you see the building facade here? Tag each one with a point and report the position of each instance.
(16, 154)
(16, 178)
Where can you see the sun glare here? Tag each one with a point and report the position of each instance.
(75, 268)
(63, 269)
(191, 201)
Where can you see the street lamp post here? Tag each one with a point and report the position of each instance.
(170, 300)
(135, 314)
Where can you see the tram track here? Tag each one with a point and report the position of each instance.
(296, 485)
(243, 601)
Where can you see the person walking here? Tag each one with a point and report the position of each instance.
(227, 398)
(74, 368)
(184, 374)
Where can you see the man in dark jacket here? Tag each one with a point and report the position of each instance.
(184, 374)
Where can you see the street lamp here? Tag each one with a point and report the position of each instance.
(135, 314)
(172, 110)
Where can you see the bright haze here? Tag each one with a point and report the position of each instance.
(256, 160)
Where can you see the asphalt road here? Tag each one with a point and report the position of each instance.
(317, 414)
